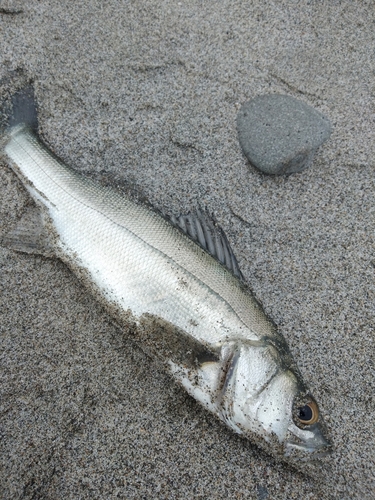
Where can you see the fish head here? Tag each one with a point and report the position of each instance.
(264, 398)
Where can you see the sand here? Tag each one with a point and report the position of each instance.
(148, 93)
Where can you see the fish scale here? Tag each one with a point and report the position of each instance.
(114, 235)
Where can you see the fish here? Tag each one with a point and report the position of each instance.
(177, 281)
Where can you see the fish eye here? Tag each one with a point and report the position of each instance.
(308, 414)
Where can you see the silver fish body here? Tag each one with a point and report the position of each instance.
(144, 268)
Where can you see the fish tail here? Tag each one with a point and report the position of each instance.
(24, 109)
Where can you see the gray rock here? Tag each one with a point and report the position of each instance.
(280, 134)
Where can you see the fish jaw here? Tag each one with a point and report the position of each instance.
(309, 444)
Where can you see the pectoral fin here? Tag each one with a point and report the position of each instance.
(164, 341)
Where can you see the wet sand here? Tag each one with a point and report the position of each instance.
(147, 93)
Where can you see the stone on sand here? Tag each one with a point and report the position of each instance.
(280, 134)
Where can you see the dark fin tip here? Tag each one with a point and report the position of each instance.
(24, 108)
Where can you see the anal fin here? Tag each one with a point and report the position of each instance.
(29, 235)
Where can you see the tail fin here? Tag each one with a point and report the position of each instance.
(24, 109)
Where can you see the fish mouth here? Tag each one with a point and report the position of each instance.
(294, 449)
(315, 446)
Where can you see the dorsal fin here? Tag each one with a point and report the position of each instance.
(205, 231)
